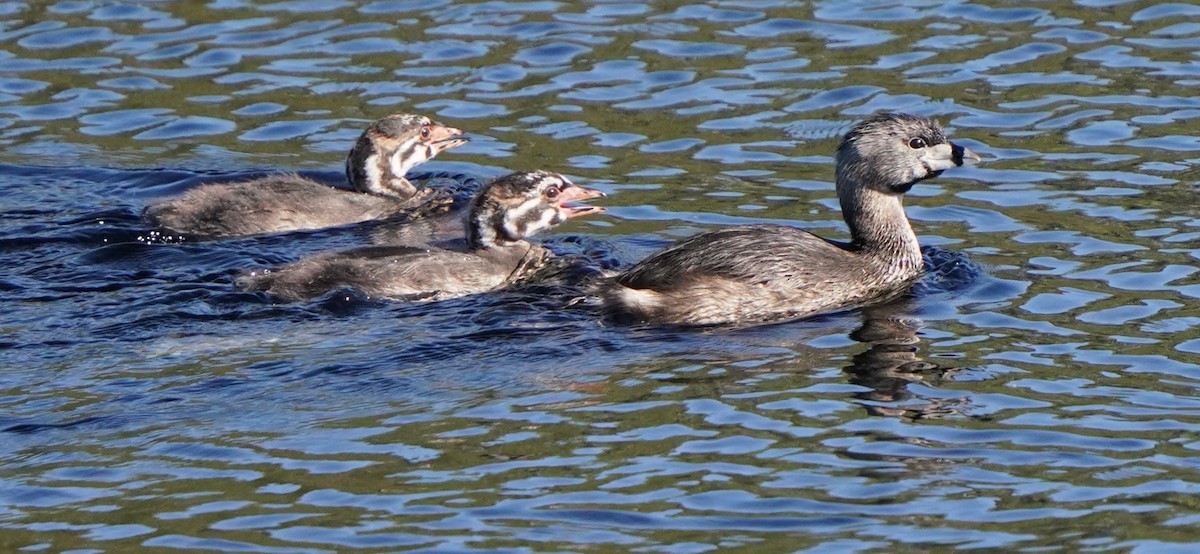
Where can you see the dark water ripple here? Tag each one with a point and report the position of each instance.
(1040, 385)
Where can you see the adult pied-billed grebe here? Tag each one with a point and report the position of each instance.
(756, 273)
(375, 167)
(493, 254)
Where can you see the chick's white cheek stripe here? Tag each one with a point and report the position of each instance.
(406, 157)
(549, 218)
(512, 219)
(374, 174)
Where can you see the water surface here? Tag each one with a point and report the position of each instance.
(1049, 403)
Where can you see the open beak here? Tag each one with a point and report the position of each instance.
(443, 138)
(577, 193)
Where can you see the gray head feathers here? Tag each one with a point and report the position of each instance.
(891, 152)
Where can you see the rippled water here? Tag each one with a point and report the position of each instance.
(1048, 404)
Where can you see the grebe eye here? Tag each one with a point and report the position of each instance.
(425, 132)
(551, 193)
(916, 143)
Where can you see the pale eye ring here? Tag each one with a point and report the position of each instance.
(551, 193)
(916, 143)
(426, 132)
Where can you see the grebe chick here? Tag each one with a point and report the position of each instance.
(494, 253)
(758, 273)
(375, 167)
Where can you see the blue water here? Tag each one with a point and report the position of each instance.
(1037, 392)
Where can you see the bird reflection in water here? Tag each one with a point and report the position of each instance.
(892, 365)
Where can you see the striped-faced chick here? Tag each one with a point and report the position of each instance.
(518, 205)
(390, 147)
